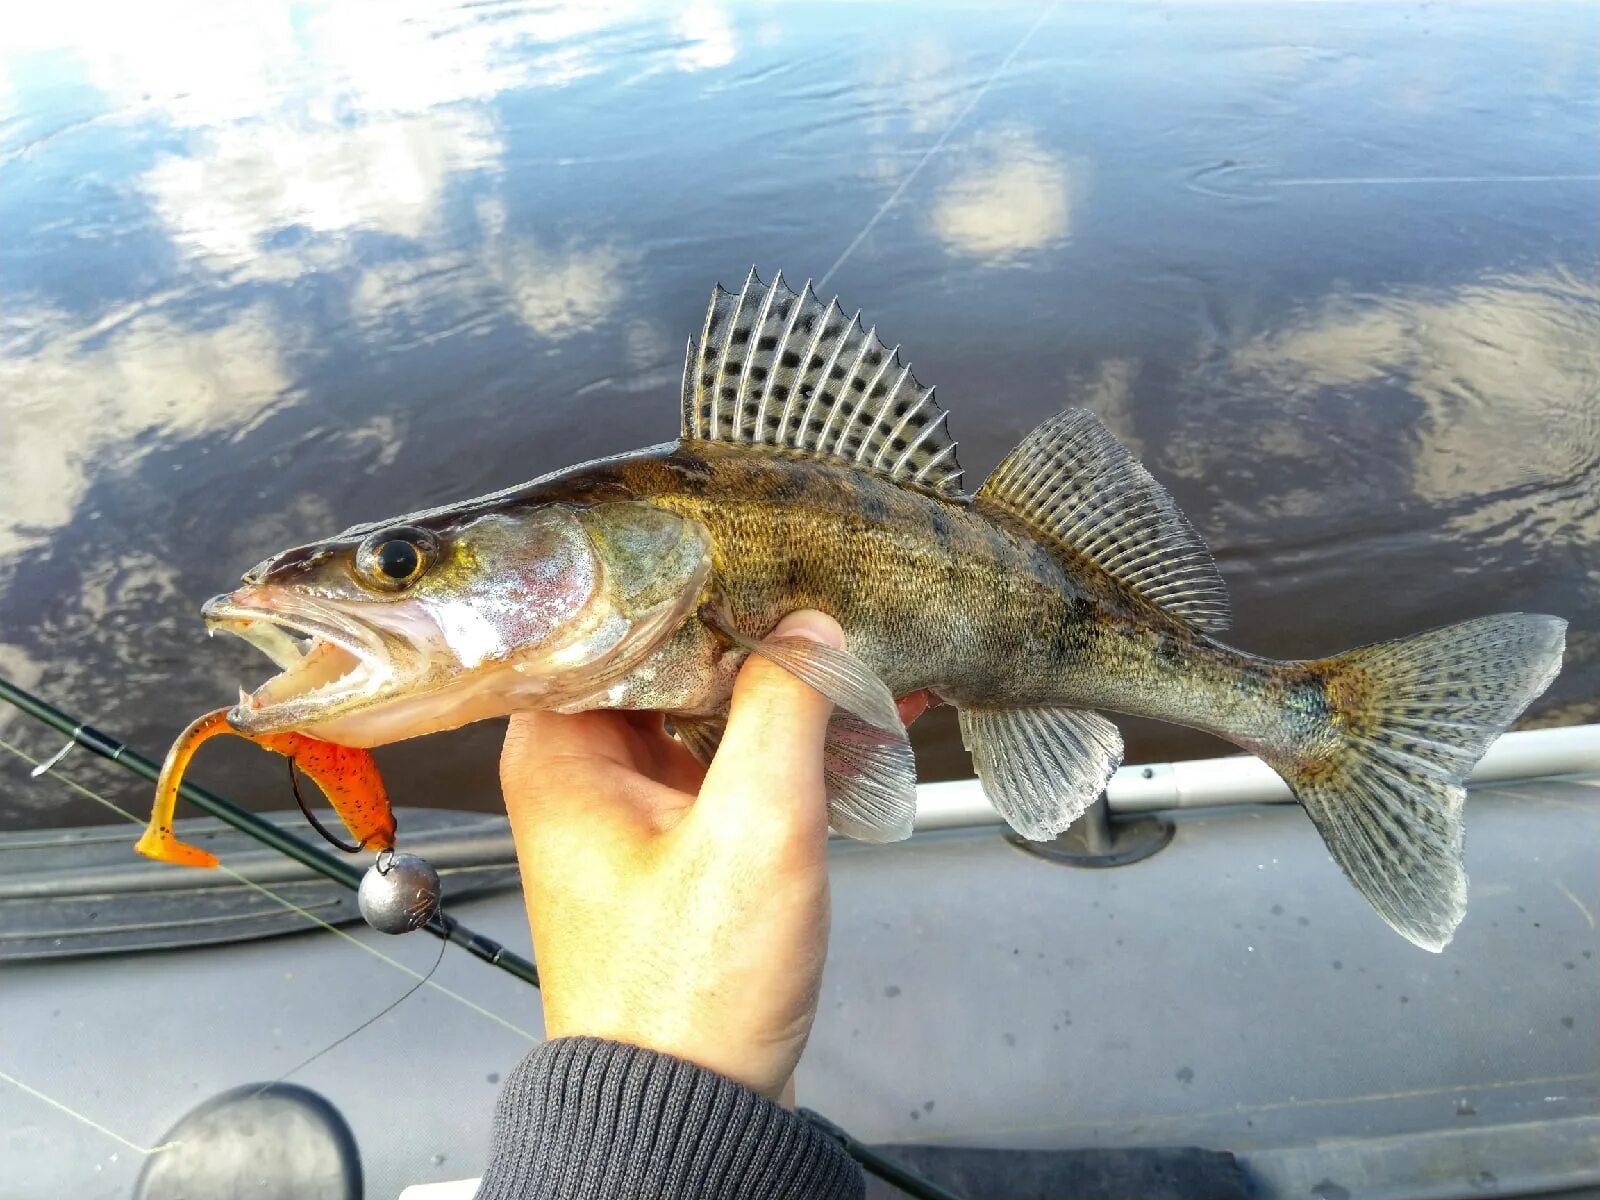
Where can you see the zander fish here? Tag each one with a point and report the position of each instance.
(812, 470)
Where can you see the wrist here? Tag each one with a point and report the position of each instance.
(624, 1121)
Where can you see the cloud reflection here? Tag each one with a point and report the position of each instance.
(707, 35)
(1436, 450)
(553, 290)
(1507, 378)
(305, 124)
(921, 80)
(299, 128)
(1004, 194)
(1009, 196)
(80, 403)
(1108, 393)
(233, 60)
(229, 197)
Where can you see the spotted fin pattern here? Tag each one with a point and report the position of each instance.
(1073, 482)
(780, 369)
(1383, 777)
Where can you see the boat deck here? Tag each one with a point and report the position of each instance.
(1231, 993)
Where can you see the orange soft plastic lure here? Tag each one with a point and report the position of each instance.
(347, 776)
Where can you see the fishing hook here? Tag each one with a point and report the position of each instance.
(294, 786)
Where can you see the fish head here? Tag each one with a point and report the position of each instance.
(394, 630)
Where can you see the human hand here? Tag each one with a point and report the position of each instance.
(675, 907)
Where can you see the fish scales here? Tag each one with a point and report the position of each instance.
(813, 470)
(790, 532)
(899, 569)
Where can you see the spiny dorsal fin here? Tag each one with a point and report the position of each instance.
(778, 368)
(1071, 479)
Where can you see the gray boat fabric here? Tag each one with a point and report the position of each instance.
(591, 1119)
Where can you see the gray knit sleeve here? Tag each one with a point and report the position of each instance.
(598, 1120)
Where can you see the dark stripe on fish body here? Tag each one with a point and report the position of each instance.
(933, 591)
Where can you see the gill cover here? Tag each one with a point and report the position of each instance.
(651, 567)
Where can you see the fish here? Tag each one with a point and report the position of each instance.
(814, 470)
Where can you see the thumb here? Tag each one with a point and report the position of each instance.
(769, 765)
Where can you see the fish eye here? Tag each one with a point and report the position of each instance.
(398, 559)
(395, 558)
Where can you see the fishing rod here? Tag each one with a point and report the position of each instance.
(441, 925)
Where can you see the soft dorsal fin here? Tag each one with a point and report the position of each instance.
(778, 368)
(1071, 480)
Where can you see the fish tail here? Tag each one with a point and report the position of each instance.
(1380, 767)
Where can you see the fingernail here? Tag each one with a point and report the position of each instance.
(809, 623)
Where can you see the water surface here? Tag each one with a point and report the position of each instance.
(267, 270)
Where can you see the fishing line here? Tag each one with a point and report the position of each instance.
(372, 1020)
(43, 766)
(78, 1116)
(252, 825)
(938, 145)
(443, 926)
(284, 901)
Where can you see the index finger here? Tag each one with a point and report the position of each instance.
(535, 736)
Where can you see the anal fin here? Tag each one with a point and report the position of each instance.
(1041, 767)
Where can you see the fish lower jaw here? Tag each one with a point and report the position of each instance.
(428, 705)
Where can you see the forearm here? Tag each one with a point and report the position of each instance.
(583, 1117)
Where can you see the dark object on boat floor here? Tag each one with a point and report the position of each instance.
(274, 1142)
(1160, 1173)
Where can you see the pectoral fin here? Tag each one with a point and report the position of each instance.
(868, 768)
(1041, 767)
(837, 674)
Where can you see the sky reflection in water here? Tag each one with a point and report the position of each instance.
(1330, 269)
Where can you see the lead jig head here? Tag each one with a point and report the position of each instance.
(399, 893)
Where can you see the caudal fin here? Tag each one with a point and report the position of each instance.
(1382, 776)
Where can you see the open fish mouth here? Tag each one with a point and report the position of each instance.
(326, 661)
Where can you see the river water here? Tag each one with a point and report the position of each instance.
(267, 270)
